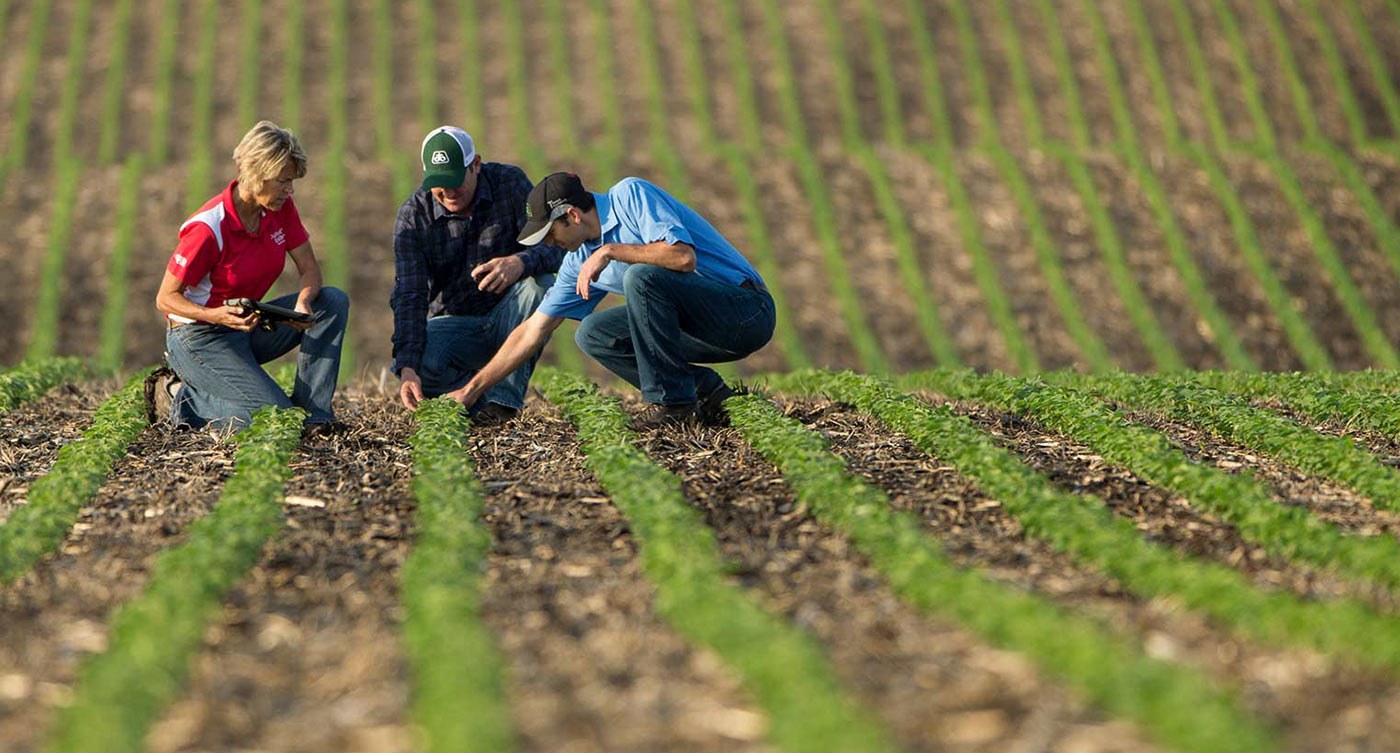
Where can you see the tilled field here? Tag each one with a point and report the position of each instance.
(1013, 186)
(306, 652)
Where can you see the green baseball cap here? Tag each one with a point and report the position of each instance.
(447, 151)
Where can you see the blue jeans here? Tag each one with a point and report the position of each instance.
(224, 381)
(458, 346)
(672, 321)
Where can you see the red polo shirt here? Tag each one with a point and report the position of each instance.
(217, 258)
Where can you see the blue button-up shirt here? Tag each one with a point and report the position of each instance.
(435, 251)
(638, 212)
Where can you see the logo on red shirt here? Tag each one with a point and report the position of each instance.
(279, 236)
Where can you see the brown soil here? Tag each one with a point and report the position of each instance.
(933, 225)
(1008, 244)
(935, 684)
(1284, 241)
(1235, 290)
(57, 615)
(1068, 223)
(1283, 686)
(591, 667)
(307, 652)
(1144, 246)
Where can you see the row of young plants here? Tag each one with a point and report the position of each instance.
(782, 669)
(1203, 302)
(1177, 706)
(458, 696)
(122, 691)
(111, 348)
(1379, 69)
(940, 153)
(1318, 397)
(163, 86)
(1091, 347)
(114, 82)
(814, 184)
(31, 379)
(912, 275)
(1107, 238)
(55, 499)
(1083, 528)
(1240, 500)
(1234, 419)
(1359, 311)
(17, 147)
(1386, 233)
(737, 160)
(68, 171)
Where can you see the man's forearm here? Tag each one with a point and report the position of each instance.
(677, 257)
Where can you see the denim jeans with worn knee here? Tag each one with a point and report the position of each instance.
(224, 382)
(458, 346)
(671, 322)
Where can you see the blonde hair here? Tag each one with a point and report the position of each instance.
(264, 153)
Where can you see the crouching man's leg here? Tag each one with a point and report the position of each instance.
(671, 323)
(318, 361)
(458, 346)
(222, 383)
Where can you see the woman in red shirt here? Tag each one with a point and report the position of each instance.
(235, 246)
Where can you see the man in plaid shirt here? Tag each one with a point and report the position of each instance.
(461, 280)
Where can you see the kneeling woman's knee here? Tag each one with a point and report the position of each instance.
(333, 301)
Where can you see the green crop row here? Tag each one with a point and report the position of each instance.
(886, 89)
(1232, 418)
(1240, 500)
(1178, 706)
(781, 667)
(1091, 346)
(1108, 240)
(1300, 335)
(1225, 339)
(458, 699)
(425, 58)
(111, 352)
(114, 87)
(31, 379)
(941, 154)
(38, 528)
(814, 185)
(1358, 310)
(249, 75)
(1380, 70)
(664, 152)
(18, 147)
(74, 59)
(43, 330)
(911, 271)
(1318, 397)
(1154, 337)
(162, 98)
(609, 153)
(1083, 528)
(741, 174)
(334, 211)
(201, 135)
(121, 692)
(292, 71)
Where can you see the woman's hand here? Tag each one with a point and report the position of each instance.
(304, 308)
(234, 318)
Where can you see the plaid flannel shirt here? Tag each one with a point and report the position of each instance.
(435, 251)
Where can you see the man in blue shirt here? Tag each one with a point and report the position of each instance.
(690, 296)
(462, 282)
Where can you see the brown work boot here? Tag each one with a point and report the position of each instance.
(711, 409)
(657, 416)
(495, 414)
(161, 387)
